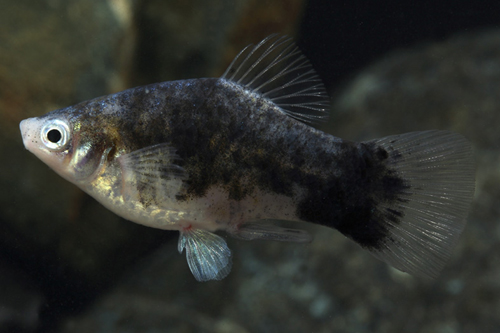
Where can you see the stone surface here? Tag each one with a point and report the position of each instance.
(451, 85)
(198, 38)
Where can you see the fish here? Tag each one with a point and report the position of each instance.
(239, 152)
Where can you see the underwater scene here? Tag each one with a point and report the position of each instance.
(273, 190)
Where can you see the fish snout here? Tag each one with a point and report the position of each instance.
(28, 133)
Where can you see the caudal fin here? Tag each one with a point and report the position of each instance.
(424, 223)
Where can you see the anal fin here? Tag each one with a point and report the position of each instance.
(262, 231)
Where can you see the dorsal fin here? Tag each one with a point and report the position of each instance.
(277, 70)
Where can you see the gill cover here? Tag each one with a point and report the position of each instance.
(89, 154)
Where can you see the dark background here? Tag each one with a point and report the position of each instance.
(341, 37)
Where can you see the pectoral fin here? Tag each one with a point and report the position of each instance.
(207, 254)
(152, 174)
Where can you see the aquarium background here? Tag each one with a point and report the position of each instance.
(69, 265)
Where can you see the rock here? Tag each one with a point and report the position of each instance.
(159, 293)
(198, 38)
(449, 85)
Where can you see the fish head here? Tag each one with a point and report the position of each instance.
(69, 145)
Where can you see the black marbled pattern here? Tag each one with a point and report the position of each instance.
(229, 137)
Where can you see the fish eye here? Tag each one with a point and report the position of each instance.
(55, 134)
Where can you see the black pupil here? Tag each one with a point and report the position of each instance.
(54, 136)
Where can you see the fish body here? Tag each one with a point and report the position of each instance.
(231, 153)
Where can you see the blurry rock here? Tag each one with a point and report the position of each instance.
(159, 295)
(329, 285)
(256, 20)
(181, 39)
(199, 38)
(451, 85)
